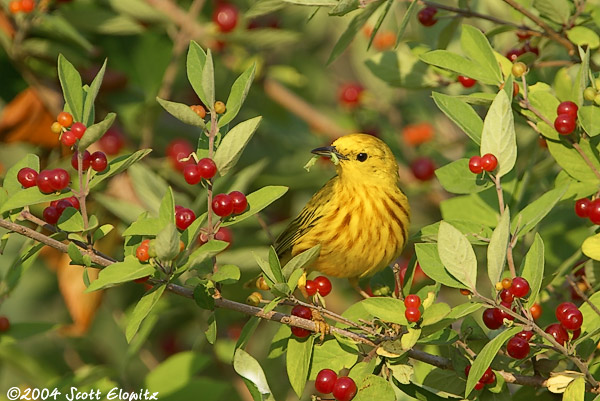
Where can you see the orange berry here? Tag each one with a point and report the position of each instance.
(261, 284)
(536, 311)
(27, 6)
(465, 291)
(65, 119)
(384, 40)
(416, 134)
(181, 246)
(142, 253)
(198, 109)
(220, 107)
(367, 30)
(56, 128)
(506, 283)
(145, 243)
(15, 6)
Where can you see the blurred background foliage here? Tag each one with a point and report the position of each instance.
(79, 339)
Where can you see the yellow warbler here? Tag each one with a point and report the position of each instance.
(360, 217)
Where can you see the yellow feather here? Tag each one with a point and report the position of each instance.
(360, 217)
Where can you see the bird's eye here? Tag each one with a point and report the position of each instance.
(361, 157)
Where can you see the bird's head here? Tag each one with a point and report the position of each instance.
(362, 157)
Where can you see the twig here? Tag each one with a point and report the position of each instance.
(179, 17)
(585, 158)
(265, 228)
(581, 294)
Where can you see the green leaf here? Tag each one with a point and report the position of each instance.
(257, 201)
(31, 196)
(583, 76)
(557, 10)
(145, 226)
(571, 161)
(332, 355)
(430, 262)
(247, 367)
(343, 7)
(263, 7)
(167, 243)
(375, 388)
(90, 97)
(534, 212)
(95, 132)
(382, 15)
(591, 322)
(72, 87)
(166, 210)
(402, 68)
(591, 247)
(176, 372)
(387, 309)
(408, 16)
(141, 310)
(211, 331)
(11, 184)
(238, 94)
(301, 260)
(128, 270)
(456, 178)
(182, 112)
(496, 251)
(435, 313)
(533, 269)
(486, 356)
(190, 234)
(208, 82)
(206, 251)
(498, 135)
(118, 165)
(279, 342)
(196, 58)
(298, 355)
(227, 274)
(457, 255)
(583, 36)
(461, 114)
(589, 118)
(233, 144)
(355, 25)
(476, 46)
(70, 220)
(203, 295)
(575, 390)
(102, 231)
(458, 64)
(75, 254)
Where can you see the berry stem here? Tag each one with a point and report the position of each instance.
(214, 129)
(82, 193)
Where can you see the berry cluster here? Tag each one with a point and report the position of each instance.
(53, 212)
(70, 132)
(320, 284)
(423, 168)
(97, 161)
(466, 81)
(350, 94)
(566, 119)
(4, 324)
(518, 287)
(488, 377)
(227, 204)
(585, 207)
(343, 388)
(24, 6)
(183, 217)
(570, 319)
(412, 303)
(426, 16)
(225, 16)
(487, 162)
(47, 181)
(194, 173)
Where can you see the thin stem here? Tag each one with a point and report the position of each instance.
(585, 158)
(82, 193)
(581, 294)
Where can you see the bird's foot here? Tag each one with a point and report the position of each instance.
(322, 327)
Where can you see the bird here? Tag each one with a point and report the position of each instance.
(360, 217)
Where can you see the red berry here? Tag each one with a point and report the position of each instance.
(4, 324)
(572, 319)
(112, 142)
(479, 385)
(507, 296)
(517, 347)
(523, 35)
(310, 287)
(325, 381)
(323, 285)
(240, 203)
(98, 161)
(85, 162)
(224, 234)
(177, 150)
(61, 205)
(514, 54)
(520, 287)
(594, 212)
(426, 16)
(525, 334)
(68, 138)
(300, 332)
(78, 129)
(506, 315)
(475, 164)
(222, 205)
(43, 182)
(412, 314)
(207, 168)
(344, 389)
(142, 253)
(488, 376)
(491, 318)
(191, 174)
(412, 301)
(226, 17)
(467, 370)
(582, 207)
(536, 311)
(575, 334)
(564, 124)
(489, 162)
(562, 309)
(74, 202)
(558, 332)
(423, 168)
(27, 6)
(183, 218)
(59, 179)
(568, 108)
(65, 119)
(51, 215)
(141, 280)
(26, 177)
(350, 94)
(466, 81)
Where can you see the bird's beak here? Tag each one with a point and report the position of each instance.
(328, 151)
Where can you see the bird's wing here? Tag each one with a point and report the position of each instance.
(307, 218)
